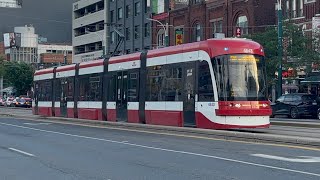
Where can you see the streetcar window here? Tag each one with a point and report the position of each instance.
(173, 83)
(205, 82)
(133, 87)
(90, 87)
(111, 94)
(70, 89)
(57, 89)
(164, 83)
(240, 77)
(155, 84)
(95, 88)
(45, 90)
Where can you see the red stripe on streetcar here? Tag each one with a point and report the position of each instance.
(66, 68)
(125, 58)
(44, 71)
(91, 64)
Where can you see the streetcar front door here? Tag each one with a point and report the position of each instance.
(63, 98)
(189, 94)
(122, 96)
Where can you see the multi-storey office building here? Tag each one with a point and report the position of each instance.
(132, 16)
(94, 22)
(88, 35)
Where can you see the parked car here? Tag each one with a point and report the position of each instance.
(9, 101)
(296, 105)
(22, 102)
(2, 101)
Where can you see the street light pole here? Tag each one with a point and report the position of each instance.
(280, 49)
(165, 28)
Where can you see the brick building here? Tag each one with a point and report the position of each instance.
(204, 19)
(2, 49)
(48, 58)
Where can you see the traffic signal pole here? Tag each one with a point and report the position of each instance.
(280, 48)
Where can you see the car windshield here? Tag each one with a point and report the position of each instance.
(240, 77)
(22, 100)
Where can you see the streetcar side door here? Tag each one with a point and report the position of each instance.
(122, 96)
(63, 97)
(36, 98)
(189, 92)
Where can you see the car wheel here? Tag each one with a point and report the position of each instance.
(318, 114)
(294, 113)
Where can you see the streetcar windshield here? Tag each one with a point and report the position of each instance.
(240, 77)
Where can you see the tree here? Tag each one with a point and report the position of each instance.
(297, 47)
(20, 76)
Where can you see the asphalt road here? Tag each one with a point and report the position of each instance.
(278, 130)
(35, 150)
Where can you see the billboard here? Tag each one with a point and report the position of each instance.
(177, 4)
(158, 6)
(12, 40)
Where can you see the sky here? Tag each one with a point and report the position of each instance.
(51, 18)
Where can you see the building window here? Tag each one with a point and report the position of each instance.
(120, 13)
(197, 32)
(112, 37)
(136, 32)
(216, 27)
(147, 30)
(112, 16)
(128, 33)
(300, 8)
(309, 1)
(137, 8)
(128, 11)
(242, 22)
(161, 38)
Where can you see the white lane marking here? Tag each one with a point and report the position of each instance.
(301, 159)
(36, 124)
(22, 152)
(169, 150)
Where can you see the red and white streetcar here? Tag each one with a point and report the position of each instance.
(214, 84)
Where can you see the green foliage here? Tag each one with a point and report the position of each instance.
(300, 48)
(19, 75)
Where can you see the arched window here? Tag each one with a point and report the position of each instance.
(161, 38)
(197, 32)
(242, 22)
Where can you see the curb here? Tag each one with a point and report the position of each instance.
(248, 136)
(296, 124)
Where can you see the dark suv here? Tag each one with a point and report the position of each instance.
(295, 105)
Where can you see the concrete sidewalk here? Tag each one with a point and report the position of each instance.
(239, 135)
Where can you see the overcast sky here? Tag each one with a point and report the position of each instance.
(51, 18)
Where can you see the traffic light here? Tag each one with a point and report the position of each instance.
(238, 31)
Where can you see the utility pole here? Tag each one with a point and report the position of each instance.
(280, 49)
(165, 29)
